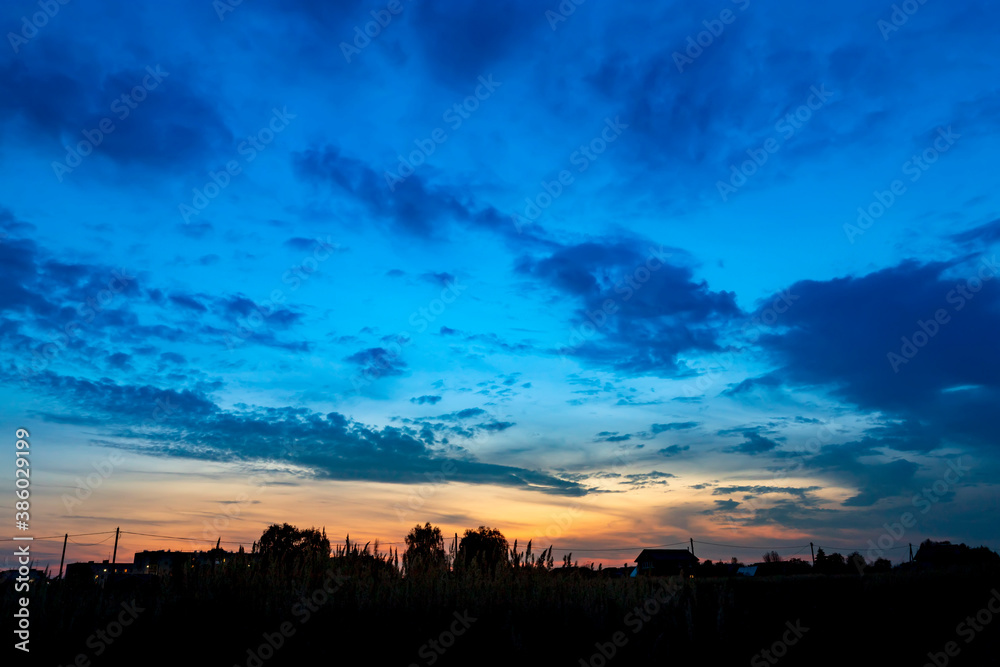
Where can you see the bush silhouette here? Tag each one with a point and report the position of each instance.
(424, 551)
(288, 542)
(483, 549)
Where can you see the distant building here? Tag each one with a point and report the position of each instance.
(99, 572)
(664, 562)
(170, 562)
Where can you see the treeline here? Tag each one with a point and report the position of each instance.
(295, 599)
(482, 549)
(486, 550)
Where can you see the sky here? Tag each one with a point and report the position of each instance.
(601, 276)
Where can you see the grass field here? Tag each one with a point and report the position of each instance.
(313, 612)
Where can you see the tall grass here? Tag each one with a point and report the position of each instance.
(524, 610)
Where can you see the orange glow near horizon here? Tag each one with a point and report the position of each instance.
(206, 502)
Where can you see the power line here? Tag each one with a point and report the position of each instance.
(738, 546)
(784, 548)
(175, 537)
(59, 537)
(91, 544)
(901, 546)
(658, 546)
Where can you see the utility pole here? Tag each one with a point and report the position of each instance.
(692, 546)
(911, 552)
(114, 556)
(63, 559)
(813, 553)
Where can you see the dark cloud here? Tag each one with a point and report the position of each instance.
(239, 306)
(332, 16)
(195, 230)
(928, 362)
(299, 243)
(160, 117)
(757, 490)
(752, 386)
(421, 400)
(119, 361)
(645, 310)
(652, 478)
(441, 278)
(188, 301)
(673, 426)
(723, 506)
(412, 206)
(612, 436)
(467, 413)
(462, 42)
(76, 312)
(377, 362)
(753, 442)
(173, 358)
(860, 465)
(495, 426)
(673, 450)
(693, 119)
(478, 343)
(188, 424)
(977, 237)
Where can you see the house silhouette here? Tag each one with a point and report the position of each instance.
(664, 562)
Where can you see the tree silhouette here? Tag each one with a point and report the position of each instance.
(424, 550)
(856, 561)
(836, 563)
(820, 561)
(829, 564)
(772, 557)
(287, 541)
(484, 549)
(945, 555)
(881, 565)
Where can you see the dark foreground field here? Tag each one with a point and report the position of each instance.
(528, 617)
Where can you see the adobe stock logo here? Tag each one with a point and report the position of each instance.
(372, 29)
(915, 167)
(627, 286)
(454, 116)
(121, 106)
(958, 297)
(788, 125)
(38, 20)
(581, 158)
(696, 44)
(251, 147)
(899, 17)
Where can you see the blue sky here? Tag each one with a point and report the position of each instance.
(654, 264)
